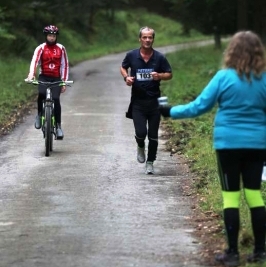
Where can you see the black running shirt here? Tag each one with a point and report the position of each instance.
(141, 71)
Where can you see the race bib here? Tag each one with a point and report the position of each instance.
(144, 74)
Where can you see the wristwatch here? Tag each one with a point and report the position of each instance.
(125, 78)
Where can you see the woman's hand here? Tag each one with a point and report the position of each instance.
(165, 110)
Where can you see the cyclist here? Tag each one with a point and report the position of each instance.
(51, 58)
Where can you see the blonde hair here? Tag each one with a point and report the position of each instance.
(245, 53)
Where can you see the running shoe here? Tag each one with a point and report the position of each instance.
(228, 258)
(257, 257)
(149, 167)
(141, 154)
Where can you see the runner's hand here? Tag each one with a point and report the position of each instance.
(155, 76)
(130, 80)
(63, 89)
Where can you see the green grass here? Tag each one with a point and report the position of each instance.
(192, 70)
(13, 93)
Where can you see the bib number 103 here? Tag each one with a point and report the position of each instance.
(144, 76)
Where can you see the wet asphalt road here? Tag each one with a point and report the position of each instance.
(90, 203)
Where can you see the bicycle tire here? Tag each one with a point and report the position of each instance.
(48, 134)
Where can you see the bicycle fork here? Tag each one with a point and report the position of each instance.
(48, 104)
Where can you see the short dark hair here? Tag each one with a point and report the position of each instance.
(148, 29)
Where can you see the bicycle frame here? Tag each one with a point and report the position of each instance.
(47, 119)
(48, 103)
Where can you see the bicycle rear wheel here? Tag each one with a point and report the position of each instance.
(48, 130)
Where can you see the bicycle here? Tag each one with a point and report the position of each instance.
(48, 124)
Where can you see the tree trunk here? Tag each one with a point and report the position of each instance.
(217, 37)
(259, 18)
(91, 17)
(242, 14)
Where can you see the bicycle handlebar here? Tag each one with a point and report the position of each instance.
(60, 83)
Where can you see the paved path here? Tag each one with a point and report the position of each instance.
(90, 203)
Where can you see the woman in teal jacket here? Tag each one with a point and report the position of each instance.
(239, 136)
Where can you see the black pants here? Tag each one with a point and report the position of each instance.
(146, 118)
(235, 165)
(56, 91)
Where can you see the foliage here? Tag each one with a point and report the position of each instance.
(212, 16)
(22, 24)
(4, 34)
(208, 14)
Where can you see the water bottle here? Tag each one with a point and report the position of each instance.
(163, 101)
(263, 176)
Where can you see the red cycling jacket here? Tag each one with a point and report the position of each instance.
(52, 60)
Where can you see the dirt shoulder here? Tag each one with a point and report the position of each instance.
(17, 116)
(207, 229)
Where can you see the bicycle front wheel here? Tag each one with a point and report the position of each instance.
(52, 133)
(48, 130)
